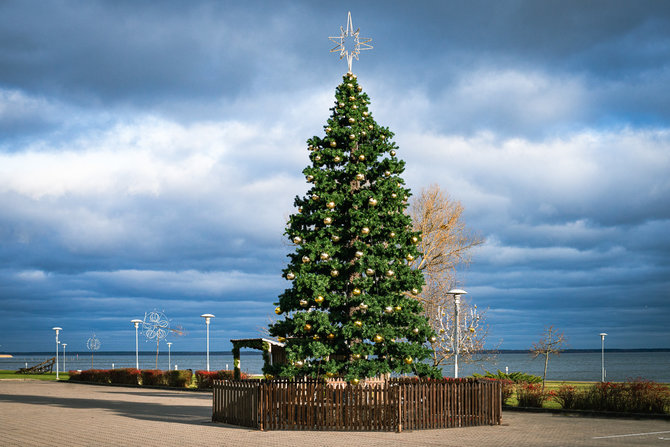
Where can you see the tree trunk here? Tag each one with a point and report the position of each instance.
(546, 362)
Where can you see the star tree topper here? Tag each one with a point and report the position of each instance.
(345, 38)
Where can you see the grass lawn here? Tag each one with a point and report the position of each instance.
(5, 374)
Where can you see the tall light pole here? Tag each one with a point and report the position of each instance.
(136, 322)
(64, 345)
(169, 357)
(602, 356)
(57, 329)
(207, 317)
(457, 326)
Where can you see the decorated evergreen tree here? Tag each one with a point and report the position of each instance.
(350, 310)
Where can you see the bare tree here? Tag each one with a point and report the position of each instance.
(445, 244)
(552, 342)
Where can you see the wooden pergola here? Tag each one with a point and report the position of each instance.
(273, 351)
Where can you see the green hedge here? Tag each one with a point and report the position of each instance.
(132, 376)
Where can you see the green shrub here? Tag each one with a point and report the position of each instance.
(125, 376)
(567, 396)
(516, 376)
(205, 379)
(179, 379)
(531, 395)
(507, 388)
(153, 377)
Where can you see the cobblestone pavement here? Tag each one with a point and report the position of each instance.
(35, 413)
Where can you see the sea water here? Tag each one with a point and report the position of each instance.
(573, 366)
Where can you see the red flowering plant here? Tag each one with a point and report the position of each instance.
(532, 395)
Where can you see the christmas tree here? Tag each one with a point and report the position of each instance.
(351, 309)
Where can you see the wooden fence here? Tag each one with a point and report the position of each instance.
(394, 405)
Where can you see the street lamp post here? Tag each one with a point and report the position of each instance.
(137, 357)
(169, 356)
(64, 345)
(457, 326)
(57, 329)
(602, 356)
(207, 317)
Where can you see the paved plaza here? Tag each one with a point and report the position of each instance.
(35, 413)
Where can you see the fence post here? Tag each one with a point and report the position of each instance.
(399, 398)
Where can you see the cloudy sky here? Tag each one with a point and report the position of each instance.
(150, 153)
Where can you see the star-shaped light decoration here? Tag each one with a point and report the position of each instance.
(359, 43)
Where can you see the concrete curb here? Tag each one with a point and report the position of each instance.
(152, 387)
(588, 413)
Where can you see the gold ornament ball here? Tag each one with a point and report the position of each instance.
(330, 374)
(300, 209)
(370, 126)
(307, 327)
(365, 230)
(383, 137)
(299, 363)
(278, 310)
(409, 257)
(415, 240)
(356, 292)
(328, 220)
(335, 238)
(361, 157)
(415, 291)
(333, 144)
(441, 331)
(363, 306)
(355, 381)
(359, 88)
(372, 201)
(360, 177)
(358, 323)
(341, 104)
(388, 309)
(281, 339)
(334, 273)
(331, 336)
(364, 133)
(355, 107)
(394, 195)
(319, 299)
(359, 254)
(392, 234)
(433, 339)
(393, 153)
(398, 308)
(305, 259)
(311, 148)
(324, 256)
(352, 136)
(330, 205)
(310, 178)
(350, 85)
(369, 272)
(378, 338)
(352, 98)
(317, 158)
(356, 356)
(352, 120)
(337, 159)
(415, 330)
(387, 173)
(297, 240)
(290, 276)
(472, 329)
(328, 129)
(316, 337)
(365, 113)
(408, 360)
(390, 273)
(315, 197)
(303, 303)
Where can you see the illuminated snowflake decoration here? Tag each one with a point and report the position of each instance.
(349, 43)
(93, 344)
(155, 325)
